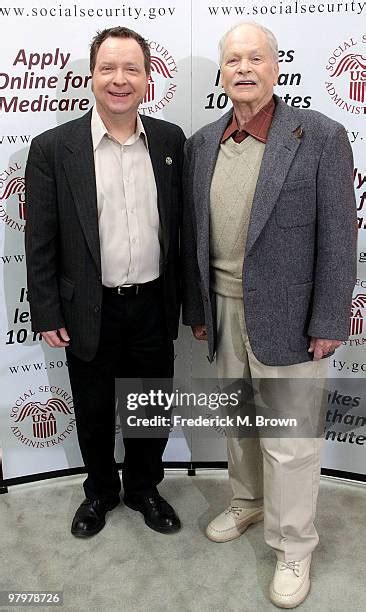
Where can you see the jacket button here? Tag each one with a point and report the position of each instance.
(96, 309)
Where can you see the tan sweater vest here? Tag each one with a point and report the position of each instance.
(232, 192)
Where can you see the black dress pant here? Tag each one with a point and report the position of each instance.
(133, 344)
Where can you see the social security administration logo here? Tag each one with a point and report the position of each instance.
(358, 315)
(161, 86)
(41, 421)
(12, 197)
(355, 65)
(346, 68)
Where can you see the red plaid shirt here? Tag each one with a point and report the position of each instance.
(258, 126)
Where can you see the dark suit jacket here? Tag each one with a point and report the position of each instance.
(300, 258)
(62, 238)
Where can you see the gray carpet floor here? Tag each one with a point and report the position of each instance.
(129, 567)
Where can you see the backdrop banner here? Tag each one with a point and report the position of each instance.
(45, 81)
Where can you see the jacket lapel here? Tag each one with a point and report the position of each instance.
(80, 172)
(160, 154)
(279, 153)
(205, 162)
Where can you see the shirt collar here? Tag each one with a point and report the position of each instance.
(258, 126)
(99, 131)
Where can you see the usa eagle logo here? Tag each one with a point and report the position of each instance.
(358, 314)
(43, 416)
(16, 187)
(355, 65)
(157, 65)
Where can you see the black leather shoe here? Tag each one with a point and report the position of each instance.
(158, 514)
(90, 516)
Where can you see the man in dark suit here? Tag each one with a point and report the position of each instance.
(269, 241)
(103, 197)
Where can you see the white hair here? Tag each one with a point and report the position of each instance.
(271, 39)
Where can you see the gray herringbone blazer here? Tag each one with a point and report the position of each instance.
(300, 259)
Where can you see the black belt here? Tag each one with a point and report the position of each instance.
(124, 290)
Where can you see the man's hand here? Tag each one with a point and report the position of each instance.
(321, 347)
(199, 332)
(56, 339)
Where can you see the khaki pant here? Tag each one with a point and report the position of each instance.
(281, 472)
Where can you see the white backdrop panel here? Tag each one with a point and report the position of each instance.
(50, 42)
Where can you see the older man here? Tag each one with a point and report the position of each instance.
(270, 264)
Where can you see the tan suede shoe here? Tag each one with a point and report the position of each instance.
(291, 583)
(231, 523)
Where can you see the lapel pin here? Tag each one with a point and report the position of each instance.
(298, 133)
(168, 161)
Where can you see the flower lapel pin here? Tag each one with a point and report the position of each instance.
(298, 133)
